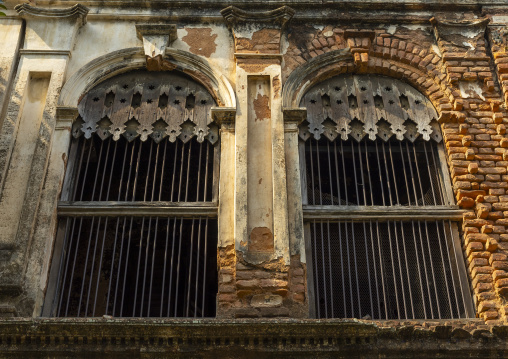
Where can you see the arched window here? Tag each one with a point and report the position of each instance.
(379, 212)
(137, 231)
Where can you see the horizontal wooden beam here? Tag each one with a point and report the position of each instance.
(381, 213)
(138, 209)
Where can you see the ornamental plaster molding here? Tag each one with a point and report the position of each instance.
(233, 16)
(459, 35)
(77, 11)
(156, 38)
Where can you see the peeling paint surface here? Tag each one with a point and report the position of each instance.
(201, 41)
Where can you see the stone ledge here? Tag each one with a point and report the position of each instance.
(101, 337)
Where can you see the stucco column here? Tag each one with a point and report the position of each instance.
(27, 197)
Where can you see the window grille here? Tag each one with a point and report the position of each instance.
(137, 231)
(380, 220)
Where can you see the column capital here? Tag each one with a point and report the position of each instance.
(257, 31)
(78, 12)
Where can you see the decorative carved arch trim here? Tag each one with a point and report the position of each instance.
(364, 105)
(117, 62)
(147, 104)
(327, 65)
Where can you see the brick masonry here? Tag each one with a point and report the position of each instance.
(468, 86)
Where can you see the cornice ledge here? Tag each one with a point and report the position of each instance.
(77, 11)
(233, 15)
(66, 112)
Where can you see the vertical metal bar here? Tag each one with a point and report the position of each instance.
(344, 171)
(174, 171)
(111, 172)
(407, 270)
(354, 171)
(318, 160)
(104, 171)
(400, 268)
(425, 268)
(139, 264)
(393, 269)
(432, 268)
(318, 302)
(93, 266)
(387, 174)
(163, 170)
(73, 266)
(123, 169)
(97, 172)
(113, 264)
(312, 175)
(342, 271)
(100, 268)
(148, 235)
(330, 269)
(412, 175)
(188, 168)
(204, 269)
(126, 267)
(375, 272)
(181, 173)
(349, 271)
(148, 165)
(197, 267)
(153, 263)
(405, 174)
(130, 172)
(393, 173)
(381, 177)
(361, 174)
(381, 266)
(336, 170)
(324, 269)
(368, 269)
(417, 173)
(189, 277)
(369, 176)
(430, 173)
(206, 172)
(137, 172)
(155, 171)
(419, 270)
(85, 268)
(447, 242)
(438, 179)
(171, 270)
(330, 170)
(165, 262)
(444, 269)
(356, 271)
(199, 172)
(178, 267)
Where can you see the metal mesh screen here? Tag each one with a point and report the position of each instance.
(137, 267)
(387, 270)
(376, 172)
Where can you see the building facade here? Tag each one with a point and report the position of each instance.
(254, 178)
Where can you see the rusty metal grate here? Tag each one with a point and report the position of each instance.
(388, 270)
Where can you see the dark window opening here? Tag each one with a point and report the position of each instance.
(370, 173)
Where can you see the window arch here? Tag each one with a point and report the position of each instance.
(137, 232)
(379, 213)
